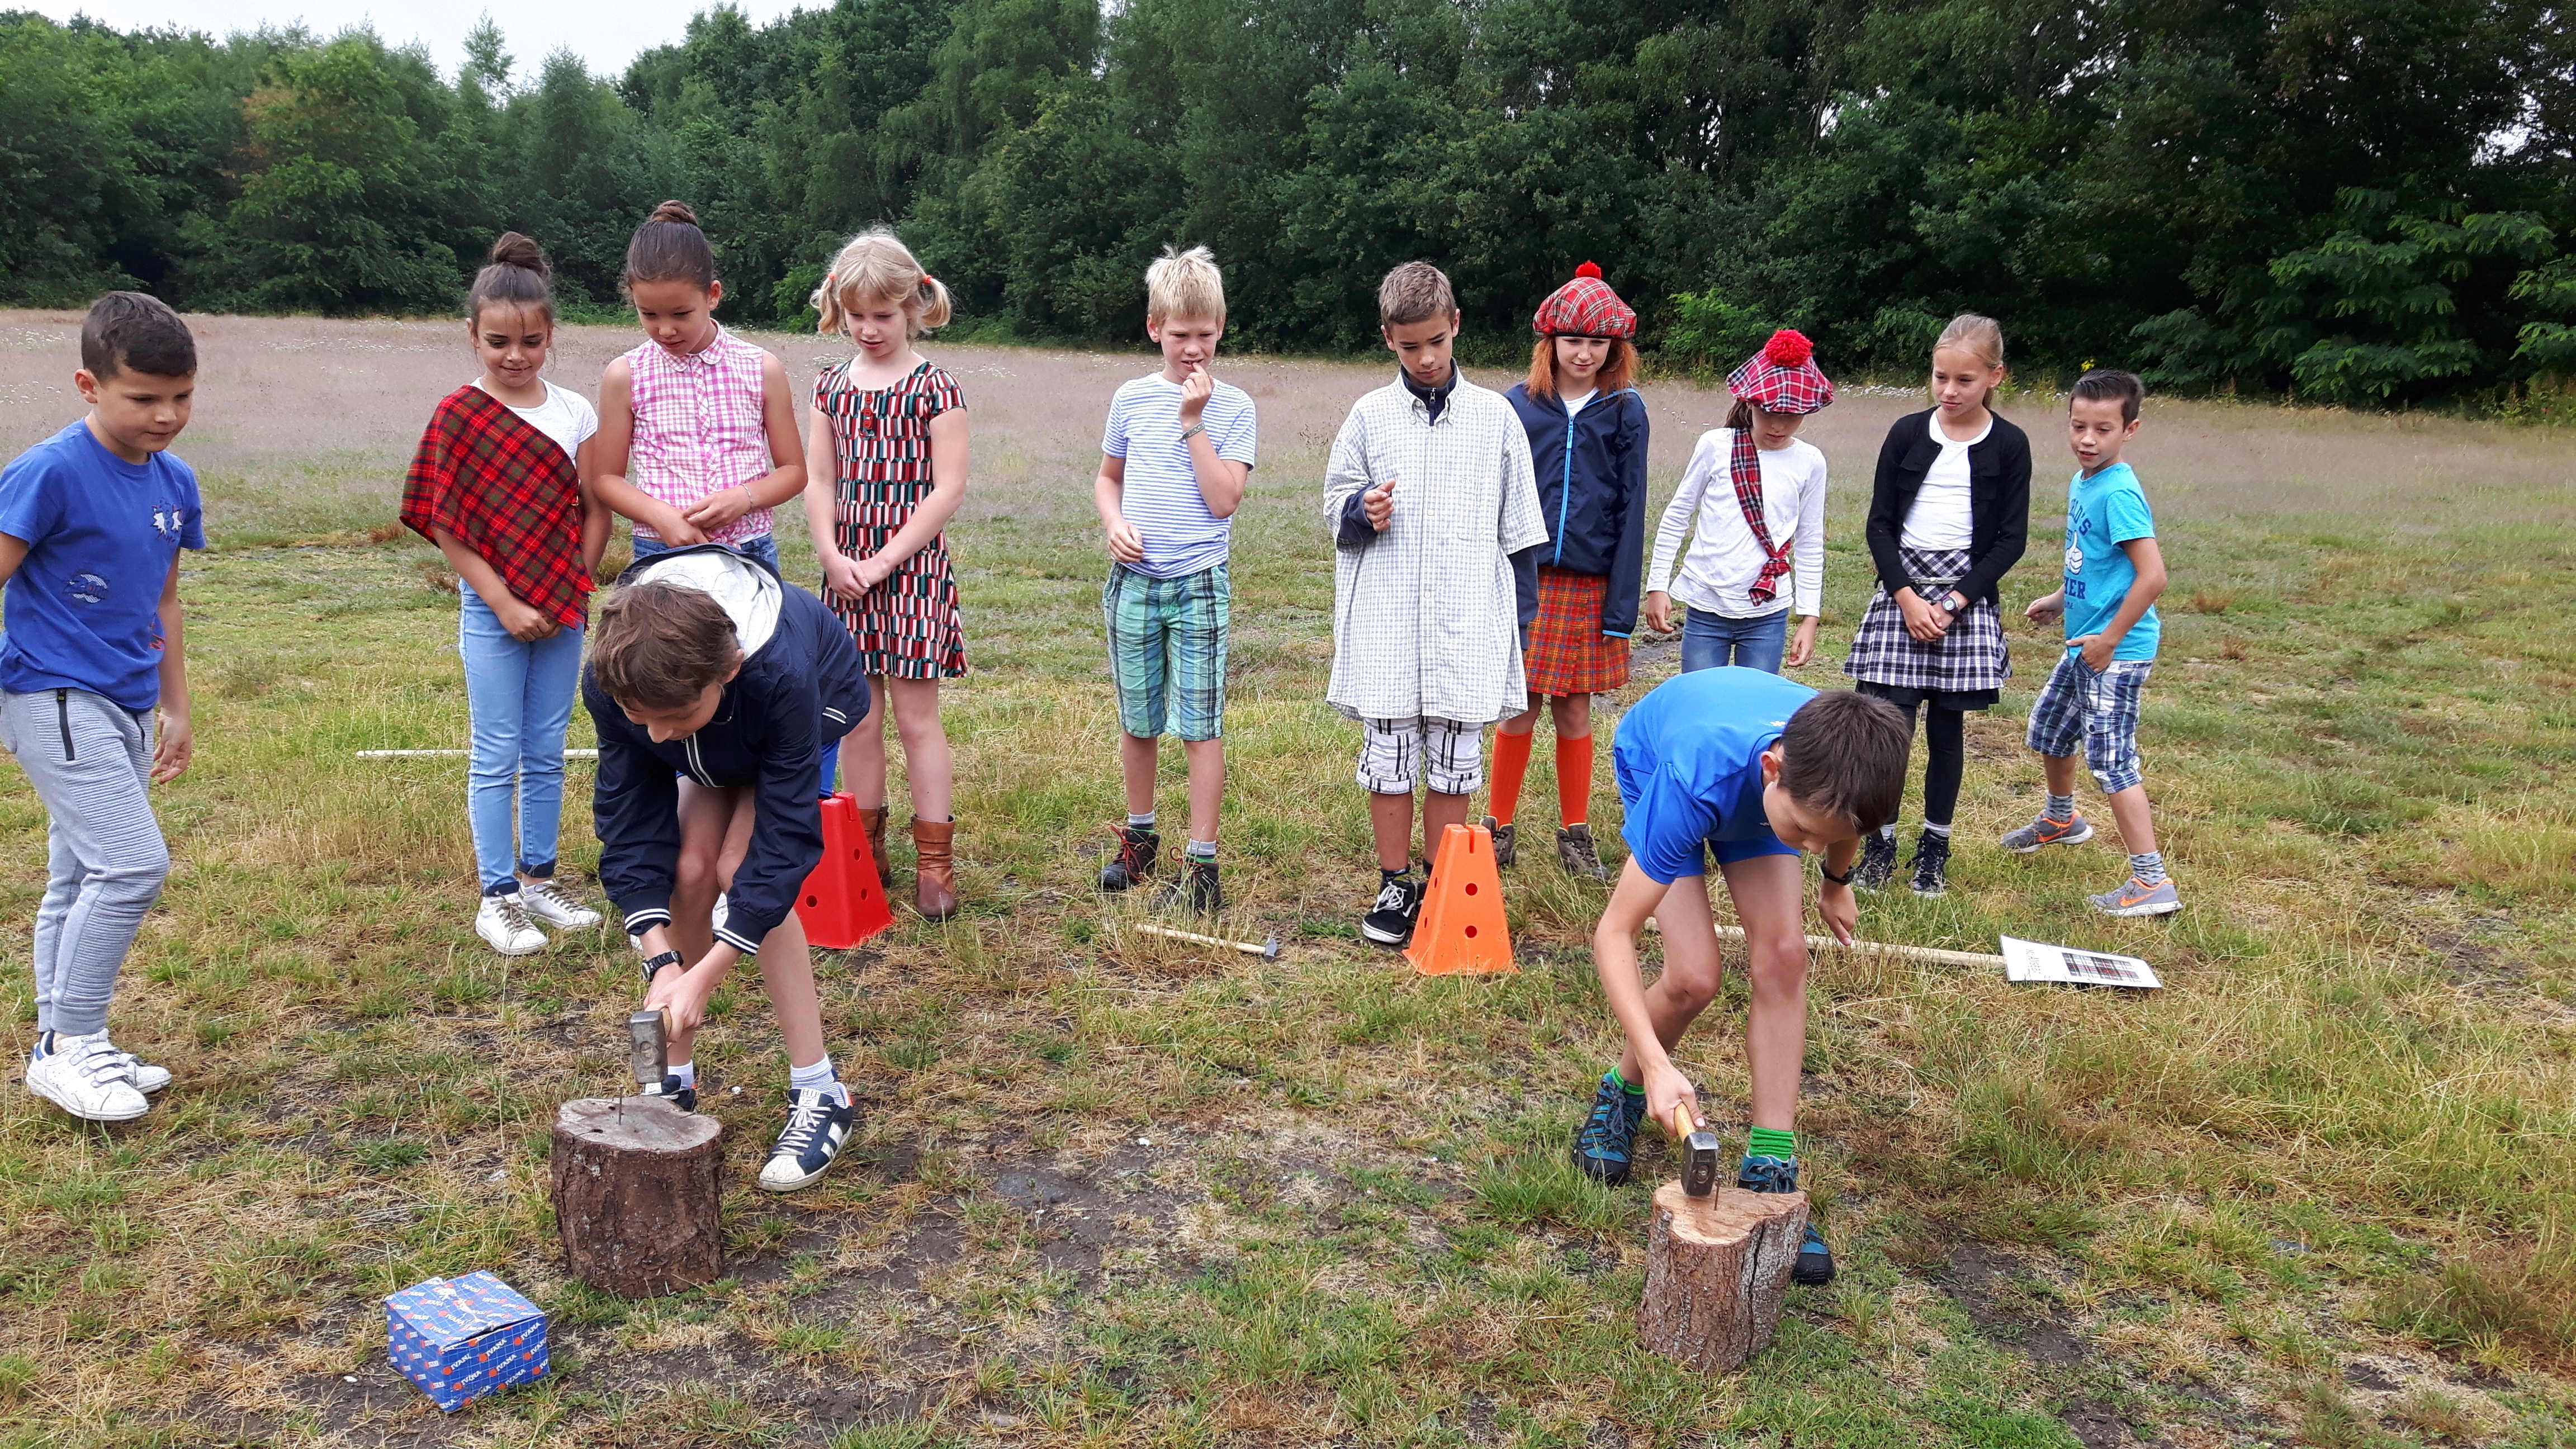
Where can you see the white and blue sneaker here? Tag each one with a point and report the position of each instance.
(818, 1122)
(87, 1077)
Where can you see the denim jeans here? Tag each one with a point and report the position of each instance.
(1708, 641)
(520, 696)
(762, 546)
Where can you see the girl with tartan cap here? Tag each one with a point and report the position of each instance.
(1587, 436)
(1745, 536)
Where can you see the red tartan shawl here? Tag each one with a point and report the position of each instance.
(1744, 470)
(512, 494)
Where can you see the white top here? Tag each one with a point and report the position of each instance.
(1160, 491)
(1940, 517)
(1574, 405)
(565, 416)
(1426, 618)
(1717, 574)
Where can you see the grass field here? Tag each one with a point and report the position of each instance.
(2322, 1189)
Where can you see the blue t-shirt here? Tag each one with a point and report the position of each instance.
(1689, 760)
(1160, 492)
(2102, 513)
(84, 610)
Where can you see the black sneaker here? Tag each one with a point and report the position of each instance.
(1603, 1144)
(818, 1122)
(684, 1098)
(1390, 921)
(1877, 862)
(1932, 865)
(1506, 842)
(1135, 863)
(1197, 891)
(1780, 1174)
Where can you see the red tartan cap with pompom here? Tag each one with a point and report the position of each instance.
(1782, 377)
(1585, 307)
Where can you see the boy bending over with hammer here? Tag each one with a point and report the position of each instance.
(1752, 769)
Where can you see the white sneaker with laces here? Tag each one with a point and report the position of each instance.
(552, 905)
(502, 921)
(87, 1077)
(146, 1077)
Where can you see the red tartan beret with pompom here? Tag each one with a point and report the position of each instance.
(1782, 377)
(1585, 307)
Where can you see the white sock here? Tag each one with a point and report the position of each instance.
(1940, 830)
(687, 1072)
(817, 1078)
(1140, 822)
(1887, 831)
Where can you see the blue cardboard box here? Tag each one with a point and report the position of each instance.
(462, 1338)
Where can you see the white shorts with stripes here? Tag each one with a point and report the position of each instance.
(1397, 753)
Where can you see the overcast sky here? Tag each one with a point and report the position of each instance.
(605, 33)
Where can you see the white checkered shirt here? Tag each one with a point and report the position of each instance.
(1426, 621)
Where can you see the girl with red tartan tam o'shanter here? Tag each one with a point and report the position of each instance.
(1752, 502)
(501, 483)
(1587, 434)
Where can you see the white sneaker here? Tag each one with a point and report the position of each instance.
(87, 1077)
(146, 1077)
(502, 922)
(552, 905)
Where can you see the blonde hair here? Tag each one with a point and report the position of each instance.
(1185, 284)
(1414, 292)
(876, 267)
(1980, 337)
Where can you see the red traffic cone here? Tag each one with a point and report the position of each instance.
(842, 905)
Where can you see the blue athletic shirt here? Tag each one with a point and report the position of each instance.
(1160, 494)
(84, 609)
(2102, 513)
(1689, 761)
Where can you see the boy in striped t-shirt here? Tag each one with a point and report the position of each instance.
(1173, 462)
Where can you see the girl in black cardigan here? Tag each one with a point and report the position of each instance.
(1949, 514)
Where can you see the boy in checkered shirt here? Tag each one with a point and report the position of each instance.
(1435, 516)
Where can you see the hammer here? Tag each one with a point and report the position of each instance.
(1266, 950)
(648, 1049)
(1699, 1155)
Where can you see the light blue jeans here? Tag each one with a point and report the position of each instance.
(1712, 641)
(762, 546)
(520, 696)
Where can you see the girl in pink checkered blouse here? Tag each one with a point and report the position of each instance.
(697, 428)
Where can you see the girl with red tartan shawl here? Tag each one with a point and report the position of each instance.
(501, 483)
(1587, 435)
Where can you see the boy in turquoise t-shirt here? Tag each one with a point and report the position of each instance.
(2114, 574)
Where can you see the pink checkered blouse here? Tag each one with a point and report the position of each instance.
(698, 428)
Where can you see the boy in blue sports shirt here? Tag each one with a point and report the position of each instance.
(2114, 574)
(1751, 768)
(91, 524)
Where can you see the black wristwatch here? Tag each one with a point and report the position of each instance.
(656, 963)
(1827, 872)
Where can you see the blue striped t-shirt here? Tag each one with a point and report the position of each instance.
(1160, 494)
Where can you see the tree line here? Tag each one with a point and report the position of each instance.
(2365, 201)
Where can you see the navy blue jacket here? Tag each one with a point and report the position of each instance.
(798, 691)
(1592, 487)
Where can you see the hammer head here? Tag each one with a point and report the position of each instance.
(648, 1046)
(1699, 1155)
(1270, 949)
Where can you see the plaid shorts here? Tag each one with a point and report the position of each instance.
(1396, 752)
(2098, 710)
(1167, 651)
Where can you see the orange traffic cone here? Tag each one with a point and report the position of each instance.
(1461, 928)
(842, 904)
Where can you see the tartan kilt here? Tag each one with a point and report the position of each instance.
(1972, 658)
(1568, 653)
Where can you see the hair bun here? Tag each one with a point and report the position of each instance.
(1589, 269)
(515, 249)
(675, 211)
(1788, 348)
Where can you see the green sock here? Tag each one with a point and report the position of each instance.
(1623, 1084)
(1772, 1142)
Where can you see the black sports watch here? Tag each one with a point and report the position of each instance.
(1827, 872)
(656, 963)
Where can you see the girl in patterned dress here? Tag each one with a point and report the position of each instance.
(886, 443)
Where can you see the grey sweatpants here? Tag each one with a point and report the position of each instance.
(90, 760)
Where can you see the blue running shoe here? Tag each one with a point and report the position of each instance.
(1779, 1174)
(1609, 1135)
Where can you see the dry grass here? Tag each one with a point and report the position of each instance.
(2334, 1155)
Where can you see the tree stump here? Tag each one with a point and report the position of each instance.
(638, 1191)
(1717, 1271)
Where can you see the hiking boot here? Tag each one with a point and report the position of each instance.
(2044, 831)
(818, 1122)
(1197, 891)
(1877, 862)
(1780, 1174)
(1506, 842)
(1135, 863)
(502, 921)
(934, 890)
(1931, 865)
(2139, 899)
(1390, 921)
(684, 1098)
(85, 1076)
(1607, 1138)
(1575, 853)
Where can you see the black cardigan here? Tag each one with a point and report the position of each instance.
(1998, 502)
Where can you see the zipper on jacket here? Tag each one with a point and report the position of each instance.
(1565, 494)
(63, 717)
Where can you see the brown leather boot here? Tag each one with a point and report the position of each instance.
(935, 881)
(875, 822)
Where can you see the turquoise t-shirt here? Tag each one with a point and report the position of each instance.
(2102, 513)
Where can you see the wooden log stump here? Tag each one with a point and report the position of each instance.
(1717, 1271)
(638, 1191)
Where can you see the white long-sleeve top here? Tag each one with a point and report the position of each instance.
(1717, 574)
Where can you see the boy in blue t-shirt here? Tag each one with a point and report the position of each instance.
(2114, 573)
(1751, 768)
(91, 524)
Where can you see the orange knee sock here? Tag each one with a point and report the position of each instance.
(1511, 766)
(1574, 779)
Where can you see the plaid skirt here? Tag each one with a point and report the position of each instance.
(1568, 653)
(1971, 659)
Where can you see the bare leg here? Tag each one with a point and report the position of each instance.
(705, 816)
(926, 761)
(1525, 721)
(1207, 785)
(2129, 812)
(1439, 812)
(863, 755)
(1391, 824)
(1693, 969)
(1573, 715)
(1137, 761)
(2060, 770)
(1770, 899)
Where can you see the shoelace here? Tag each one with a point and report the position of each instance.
(552, 894)
(1390, 896)
(805, 1123)
(514, 912)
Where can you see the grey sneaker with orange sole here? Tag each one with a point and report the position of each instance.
(2044, 831)
(2137, 898)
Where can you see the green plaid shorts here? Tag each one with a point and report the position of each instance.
(1167, 651)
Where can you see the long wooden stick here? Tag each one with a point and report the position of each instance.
(1932, 954)
(453, 754)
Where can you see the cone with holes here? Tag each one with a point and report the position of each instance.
(842, 904)
(1461, 929)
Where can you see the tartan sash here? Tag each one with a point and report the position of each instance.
(1744, 470)
(497, 483)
